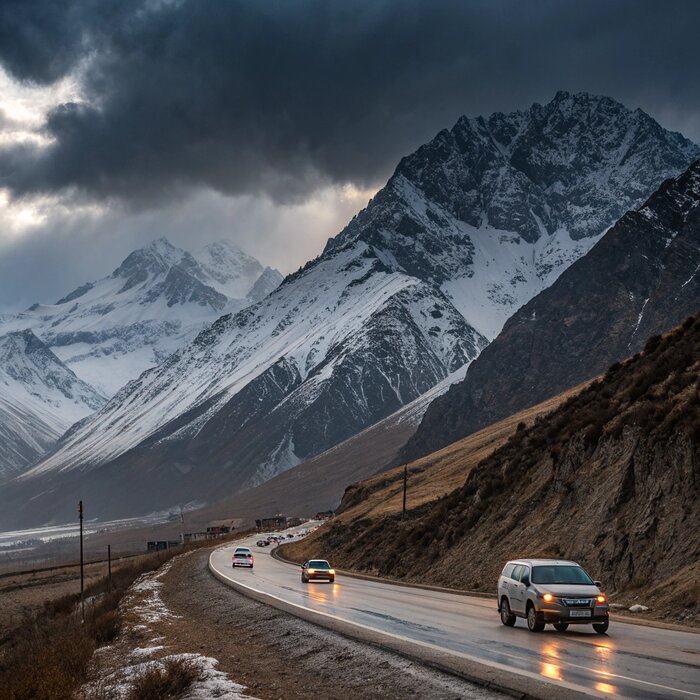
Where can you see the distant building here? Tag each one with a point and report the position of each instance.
(324, 515)
(219, 528)
(195, 536)
(157, 545)
(274, 523)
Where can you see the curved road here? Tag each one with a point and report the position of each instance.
(632, 661)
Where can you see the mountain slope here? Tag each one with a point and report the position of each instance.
(158, 299)
(639, 280)
(468, 228)
(365, 456)
(40, 398)
(610, 479)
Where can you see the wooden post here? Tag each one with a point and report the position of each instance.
(82, 575)
(405, 484)
(109, 568)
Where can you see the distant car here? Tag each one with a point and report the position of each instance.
(261, 543)
(242, 556)
(317, 570)
(551, 591)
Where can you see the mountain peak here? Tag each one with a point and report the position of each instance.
(161, 243)
(223, 244)
(576, 164)
(154, 258)
(639, 280)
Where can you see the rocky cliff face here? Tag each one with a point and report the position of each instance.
(639, 280)
(610, 479)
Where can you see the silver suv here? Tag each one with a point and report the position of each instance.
(551, 591)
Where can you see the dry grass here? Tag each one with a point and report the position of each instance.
(443, 471)
(25, 594)
(47, 657)
(167, 681)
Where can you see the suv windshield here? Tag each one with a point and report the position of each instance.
(560, 574)
(319, 565)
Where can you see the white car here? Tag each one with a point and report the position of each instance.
(242, 556)
(551, 592)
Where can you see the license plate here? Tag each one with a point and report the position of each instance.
(580, 613)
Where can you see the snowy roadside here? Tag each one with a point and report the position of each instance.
(142, 645)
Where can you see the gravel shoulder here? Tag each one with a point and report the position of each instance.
(275, 655)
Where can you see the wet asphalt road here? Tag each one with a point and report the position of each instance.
(631, 661)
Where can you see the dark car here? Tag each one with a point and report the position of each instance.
(317, 570)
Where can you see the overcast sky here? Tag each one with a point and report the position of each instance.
(272, 123)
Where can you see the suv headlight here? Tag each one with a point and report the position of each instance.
(548, 597)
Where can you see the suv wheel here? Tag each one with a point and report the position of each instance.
(561, 626)
(507, 617)
(532, 623)
(601, 627)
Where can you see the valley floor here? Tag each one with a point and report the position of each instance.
(25, 593)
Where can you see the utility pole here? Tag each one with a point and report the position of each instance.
(182, 527)
(109, 568)
(405, 484)
(82, 577)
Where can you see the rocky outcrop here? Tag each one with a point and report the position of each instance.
(641, 279)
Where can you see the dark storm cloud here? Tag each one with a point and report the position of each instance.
(277, 97)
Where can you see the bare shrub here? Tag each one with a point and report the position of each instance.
(168, 681)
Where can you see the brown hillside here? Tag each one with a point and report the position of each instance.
(610, 479)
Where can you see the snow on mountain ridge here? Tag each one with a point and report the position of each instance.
(40, 398)
(155, 301)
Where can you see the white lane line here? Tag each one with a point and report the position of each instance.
(495, 664)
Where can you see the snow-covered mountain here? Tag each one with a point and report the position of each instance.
(495, 209)
(109, 331)
(469, 228)
(40, 398)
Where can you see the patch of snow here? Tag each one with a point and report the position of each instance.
(638, 608)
